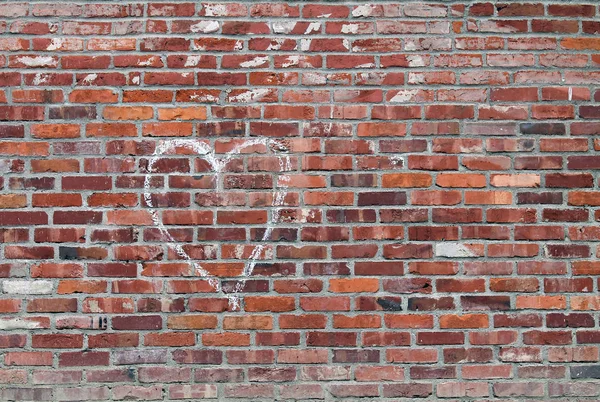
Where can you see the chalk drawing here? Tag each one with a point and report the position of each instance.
(217, 164)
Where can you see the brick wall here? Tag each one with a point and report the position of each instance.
(319, 200)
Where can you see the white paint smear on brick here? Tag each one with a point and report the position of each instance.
(55, 44)
(215, 10)
(404, 95)
(145, 63)
(415, 60)
(305, 44)
(409, 46)
(416, 78)
(40, 78)
(89, 78)
(257, 61)
(204, 98)
(27, 287)
(396, 160)
(313, 27)
(291, 61)
(453, 250)
(350, 28)
(18, 323)
(283, 27)
(38, 61)
(363, 11)
(192, 61)
(276, 44)
(251, 95)
(205, 27)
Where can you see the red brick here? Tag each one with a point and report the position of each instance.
(28, 358)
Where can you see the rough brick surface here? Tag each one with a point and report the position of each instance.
(304, 200)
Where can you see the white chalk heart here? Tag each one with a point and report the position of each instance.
(217, 164)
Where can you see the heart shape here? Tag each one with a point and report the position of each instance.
(217, 164)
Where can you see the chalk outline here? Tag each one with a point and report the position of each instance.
(205, 151)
